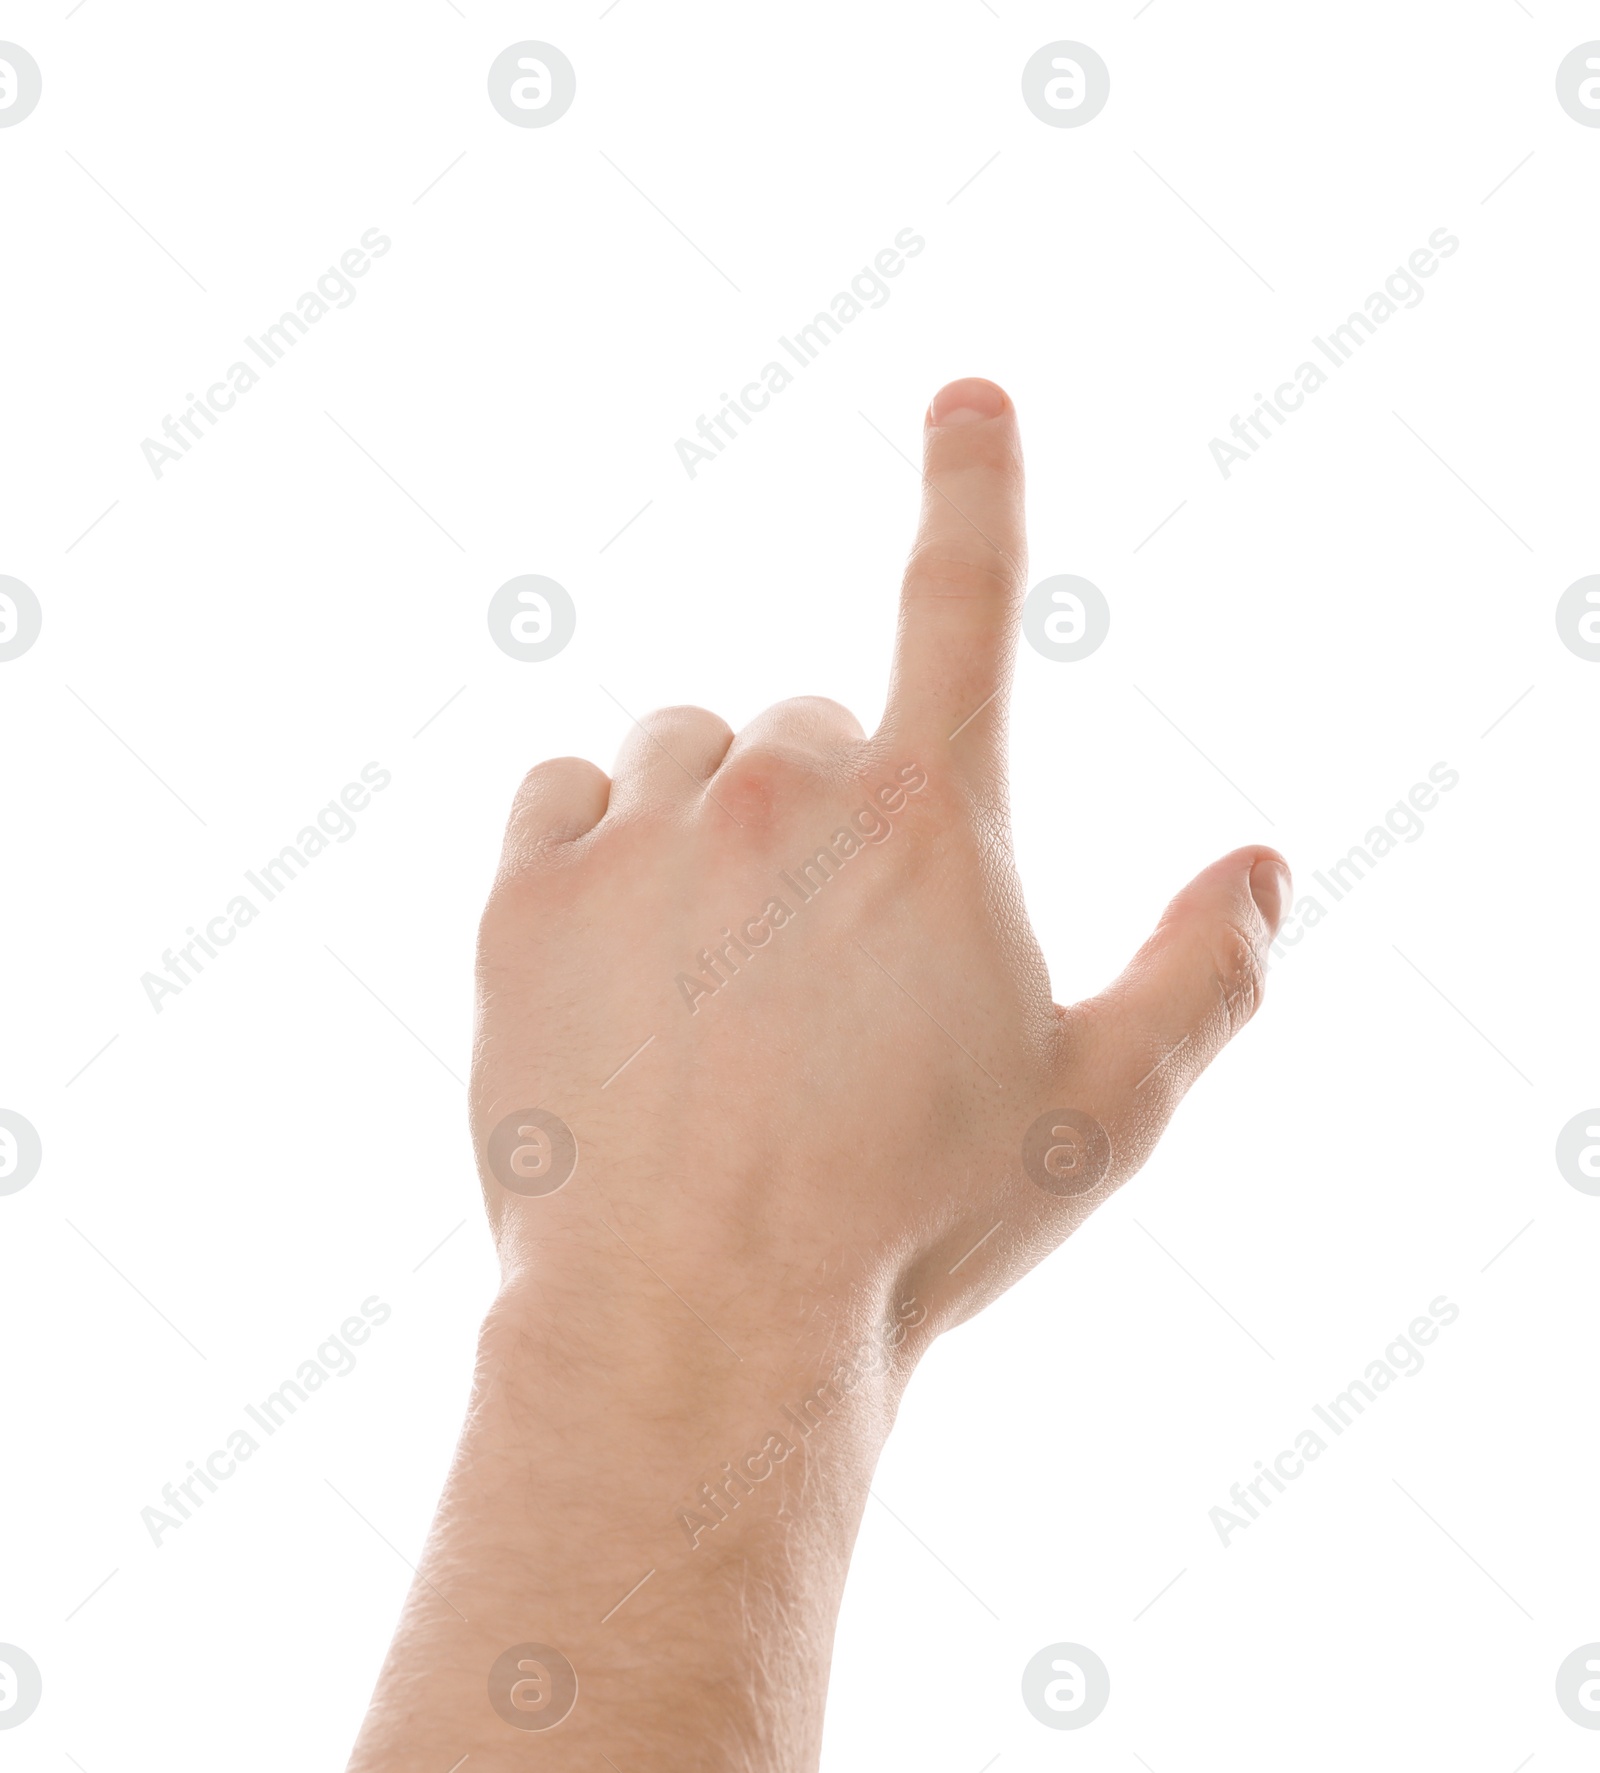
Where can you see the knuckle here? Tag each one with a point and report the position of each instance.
(809, 712)
(548, 786)
(681, 738)
(762, 779)
(962, 567)
(680, 724)
(682, 716)
(803, 723)
(550, 806)
(1240, 973)
(551, 772)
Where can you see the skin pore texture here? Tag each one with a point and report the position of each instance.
(702, 1336)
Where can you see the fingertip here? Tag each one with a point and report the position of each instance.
(966, 401)
(1256, 871)
(1198, 978)
(1272, 888)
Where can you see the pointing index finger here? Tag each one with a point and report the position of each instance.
(963, 582)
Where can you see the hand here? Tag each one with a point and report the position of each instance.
(823, 938)
(768, 1089)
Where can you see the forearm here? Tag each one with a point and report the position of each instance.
(599, 1456)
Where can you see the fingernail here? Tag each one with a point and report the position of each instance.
(1271, 887)
(966, 401)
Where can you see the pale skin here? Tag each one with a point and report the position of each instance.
(815, 1166)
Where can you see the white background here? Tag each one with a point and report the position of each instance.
(1339, 615)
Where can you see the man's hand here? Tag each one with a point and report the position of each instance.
(768, 1089)
(823, 938)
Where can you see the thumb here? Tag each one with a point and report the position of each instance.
(1194, 984)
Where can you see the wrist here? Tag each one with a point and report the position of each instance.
(653, 1365)
(699, 1330)
(682, 1438)
(630, 1481)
